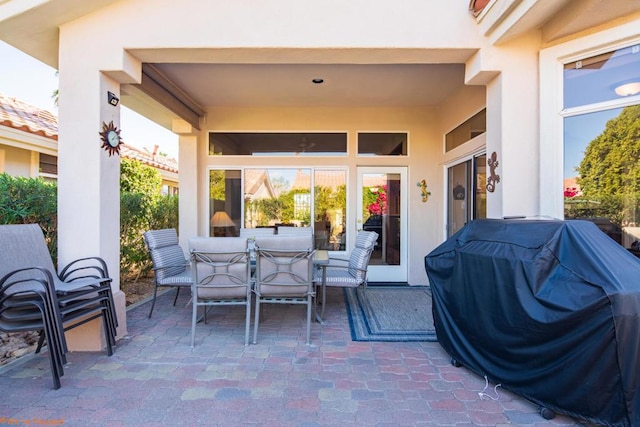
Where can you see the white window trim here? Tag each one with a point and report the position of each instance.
(601, 106)
(552, 113)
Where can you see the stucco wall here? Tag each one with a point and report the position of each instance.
(282, 23)
(263, 33)
(17, 162)
(424, 160)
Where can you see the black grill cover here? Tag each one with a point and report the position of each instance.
(549, 309)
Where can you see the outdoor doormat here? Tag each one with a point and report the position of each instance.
(390, 313)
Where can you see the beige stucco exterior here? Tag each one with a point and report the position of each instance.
(18, 162)
(20, 151)
(510, 53)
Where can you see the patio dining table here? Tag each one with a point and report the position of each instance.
(320, 258)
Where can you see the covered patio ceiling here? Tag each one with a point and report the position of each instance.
(204, 86)
(292, 85)
(190, 81)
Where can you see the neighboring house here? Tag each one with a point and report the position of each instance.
(484, 105)
(167, 166)
(28, 140)
(29, 146)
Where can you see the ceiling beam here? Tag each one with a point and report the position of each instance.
(164, 91)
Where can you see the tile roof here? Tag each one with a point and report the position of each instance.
(257, 179)
(19, 115)
(149, 158)
(22, 116)
(323, 178)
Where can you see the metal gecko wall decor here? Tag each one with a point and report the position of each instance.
(493, 178)
(423, 190)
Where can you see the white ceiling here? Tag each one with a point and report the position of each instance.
(290, 85)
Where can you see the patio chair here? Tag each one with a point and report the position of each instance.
(350, 272)
(34, 297)
(221, 276)
(171, 268)
(284, 275)
(287, 231)
(254, 232)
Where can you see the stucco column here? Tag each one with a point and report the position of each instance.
(512, 126)
(187, 180)
(88, 177)
(89, 188)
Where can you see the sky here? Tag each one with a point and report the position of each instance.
(31, 81)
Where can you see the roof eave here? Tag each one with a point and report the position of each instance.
(33, 26)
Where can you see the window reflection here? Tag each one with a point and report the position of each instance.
(381, 213)
(474, 126)
(330, 200)
(382, 144)
(602, 147)
(480, 201)
(225, 199)
(280, 197)
(277, 144)
(274, 197)
(602, 171)
(596, 79)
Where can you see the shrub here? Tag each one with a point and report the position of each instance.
(29, 201)
(138, 213)
(142, 208)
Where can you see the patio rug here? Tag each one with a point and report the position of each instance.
(390, 313)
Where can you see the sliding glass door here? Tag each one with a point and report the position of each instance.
(466, 192)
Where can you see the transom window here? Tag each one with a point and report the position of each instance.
(278, 144)
(472, 127)
(382, 144)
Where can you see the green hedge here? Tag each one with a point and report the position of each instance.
(32, 200)
(138, 213)
(28, 201)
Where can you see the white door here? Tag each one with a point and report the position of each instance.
(382, 207)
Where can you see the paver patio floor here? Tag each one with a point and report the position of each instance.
(155, 378)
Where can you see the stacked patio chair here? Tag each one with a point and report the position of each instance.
(33, 297)
(284, 274)
(221, 276)
(171, 268)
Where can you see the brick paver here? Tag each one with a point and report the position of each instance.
(155, 378)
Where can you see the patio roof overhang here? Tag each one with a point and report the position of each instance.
(365, 77)
(32, 26)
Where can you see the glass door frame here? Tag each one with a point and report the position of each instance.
(387, 273)
(471, 188)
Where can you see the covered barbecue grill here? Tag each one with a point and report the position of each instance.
(549, 309)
